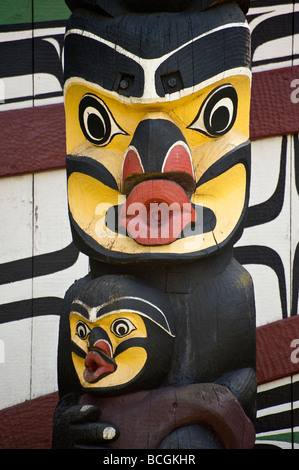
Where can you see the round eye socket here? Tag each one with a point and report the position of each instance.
(82, 330)
(218, 112)
(122, 327)
(96, 121)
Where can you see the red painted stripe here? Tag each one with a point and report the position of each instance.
(274, 106)
(274, 351)
(33, 139)
(28, 425)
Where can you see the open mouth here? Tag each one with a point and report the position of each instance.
(156, 212)
(98, 362)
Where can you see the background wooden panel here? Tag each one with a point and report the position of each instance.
(48, 20)
(31, 43)
(274, 351)
(274, 106)
(272, 29)
(15, 243)
(51, 234)
(36, 205)
(274, 424)
(43, 147)
(295, 391)
(270, 231)
(28, 425)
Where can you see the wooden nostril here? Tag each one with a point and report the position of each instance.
(132, 164)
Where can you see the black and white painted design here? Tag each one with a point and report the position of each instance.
(275, 43)
(274, 29)
(270, 242)
(38, 264)
(32, 63)
(277, 414)
(153, 72)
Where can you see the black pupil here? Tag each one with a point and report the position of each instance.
(220, 119)
(81, 331)
(122, 329)
(95, 126)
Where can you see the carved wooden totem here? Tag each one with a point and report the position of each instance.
(159, 338)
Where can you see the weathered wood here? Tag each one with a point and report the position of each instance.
(28, 425)
(266, 116)
(43, 147)
(146, 419)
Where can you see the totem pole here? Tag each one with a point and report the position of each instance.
(157, 343)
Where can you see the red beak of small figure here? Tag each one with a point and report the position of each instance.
(99, 361)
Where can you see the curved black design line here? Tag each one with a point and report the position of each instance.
(295, 282)
(30, 308)
(278, 26)
(39, 265)
(270, 209)
(296, 157)
(255, 254)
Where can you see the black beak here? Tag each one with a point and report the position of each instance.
(158, 150)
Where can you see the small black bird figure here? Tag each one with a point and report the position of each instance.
(120, 339)
(117, 337)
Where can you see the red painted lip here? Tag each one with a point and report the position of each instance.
(98, 362)
(156, 212)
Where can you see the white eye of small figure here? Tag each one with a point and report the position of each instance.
(122, 327)
(82, 330)
(218, 112)
(96, 121)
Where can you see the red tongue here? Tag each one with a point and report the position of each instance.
(156, 212)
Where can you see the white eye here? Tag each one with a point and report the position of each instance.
(218, 112)
(82, 330)
(122, 327)
(96, 121)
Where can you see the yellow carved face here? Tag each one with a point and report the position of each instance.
(116, 349)
(100, 365)
(160, 170)
(225, 195)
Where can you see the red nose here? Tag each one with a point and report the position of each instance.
(177, 159)
(132, 164)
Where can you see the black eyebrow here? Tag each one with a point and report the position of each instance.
(195, 63)
(107, 63)
(81, 309)
(190, 65)
(138, 305)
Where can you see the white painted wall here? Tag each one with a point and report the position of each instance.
(34, 221)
